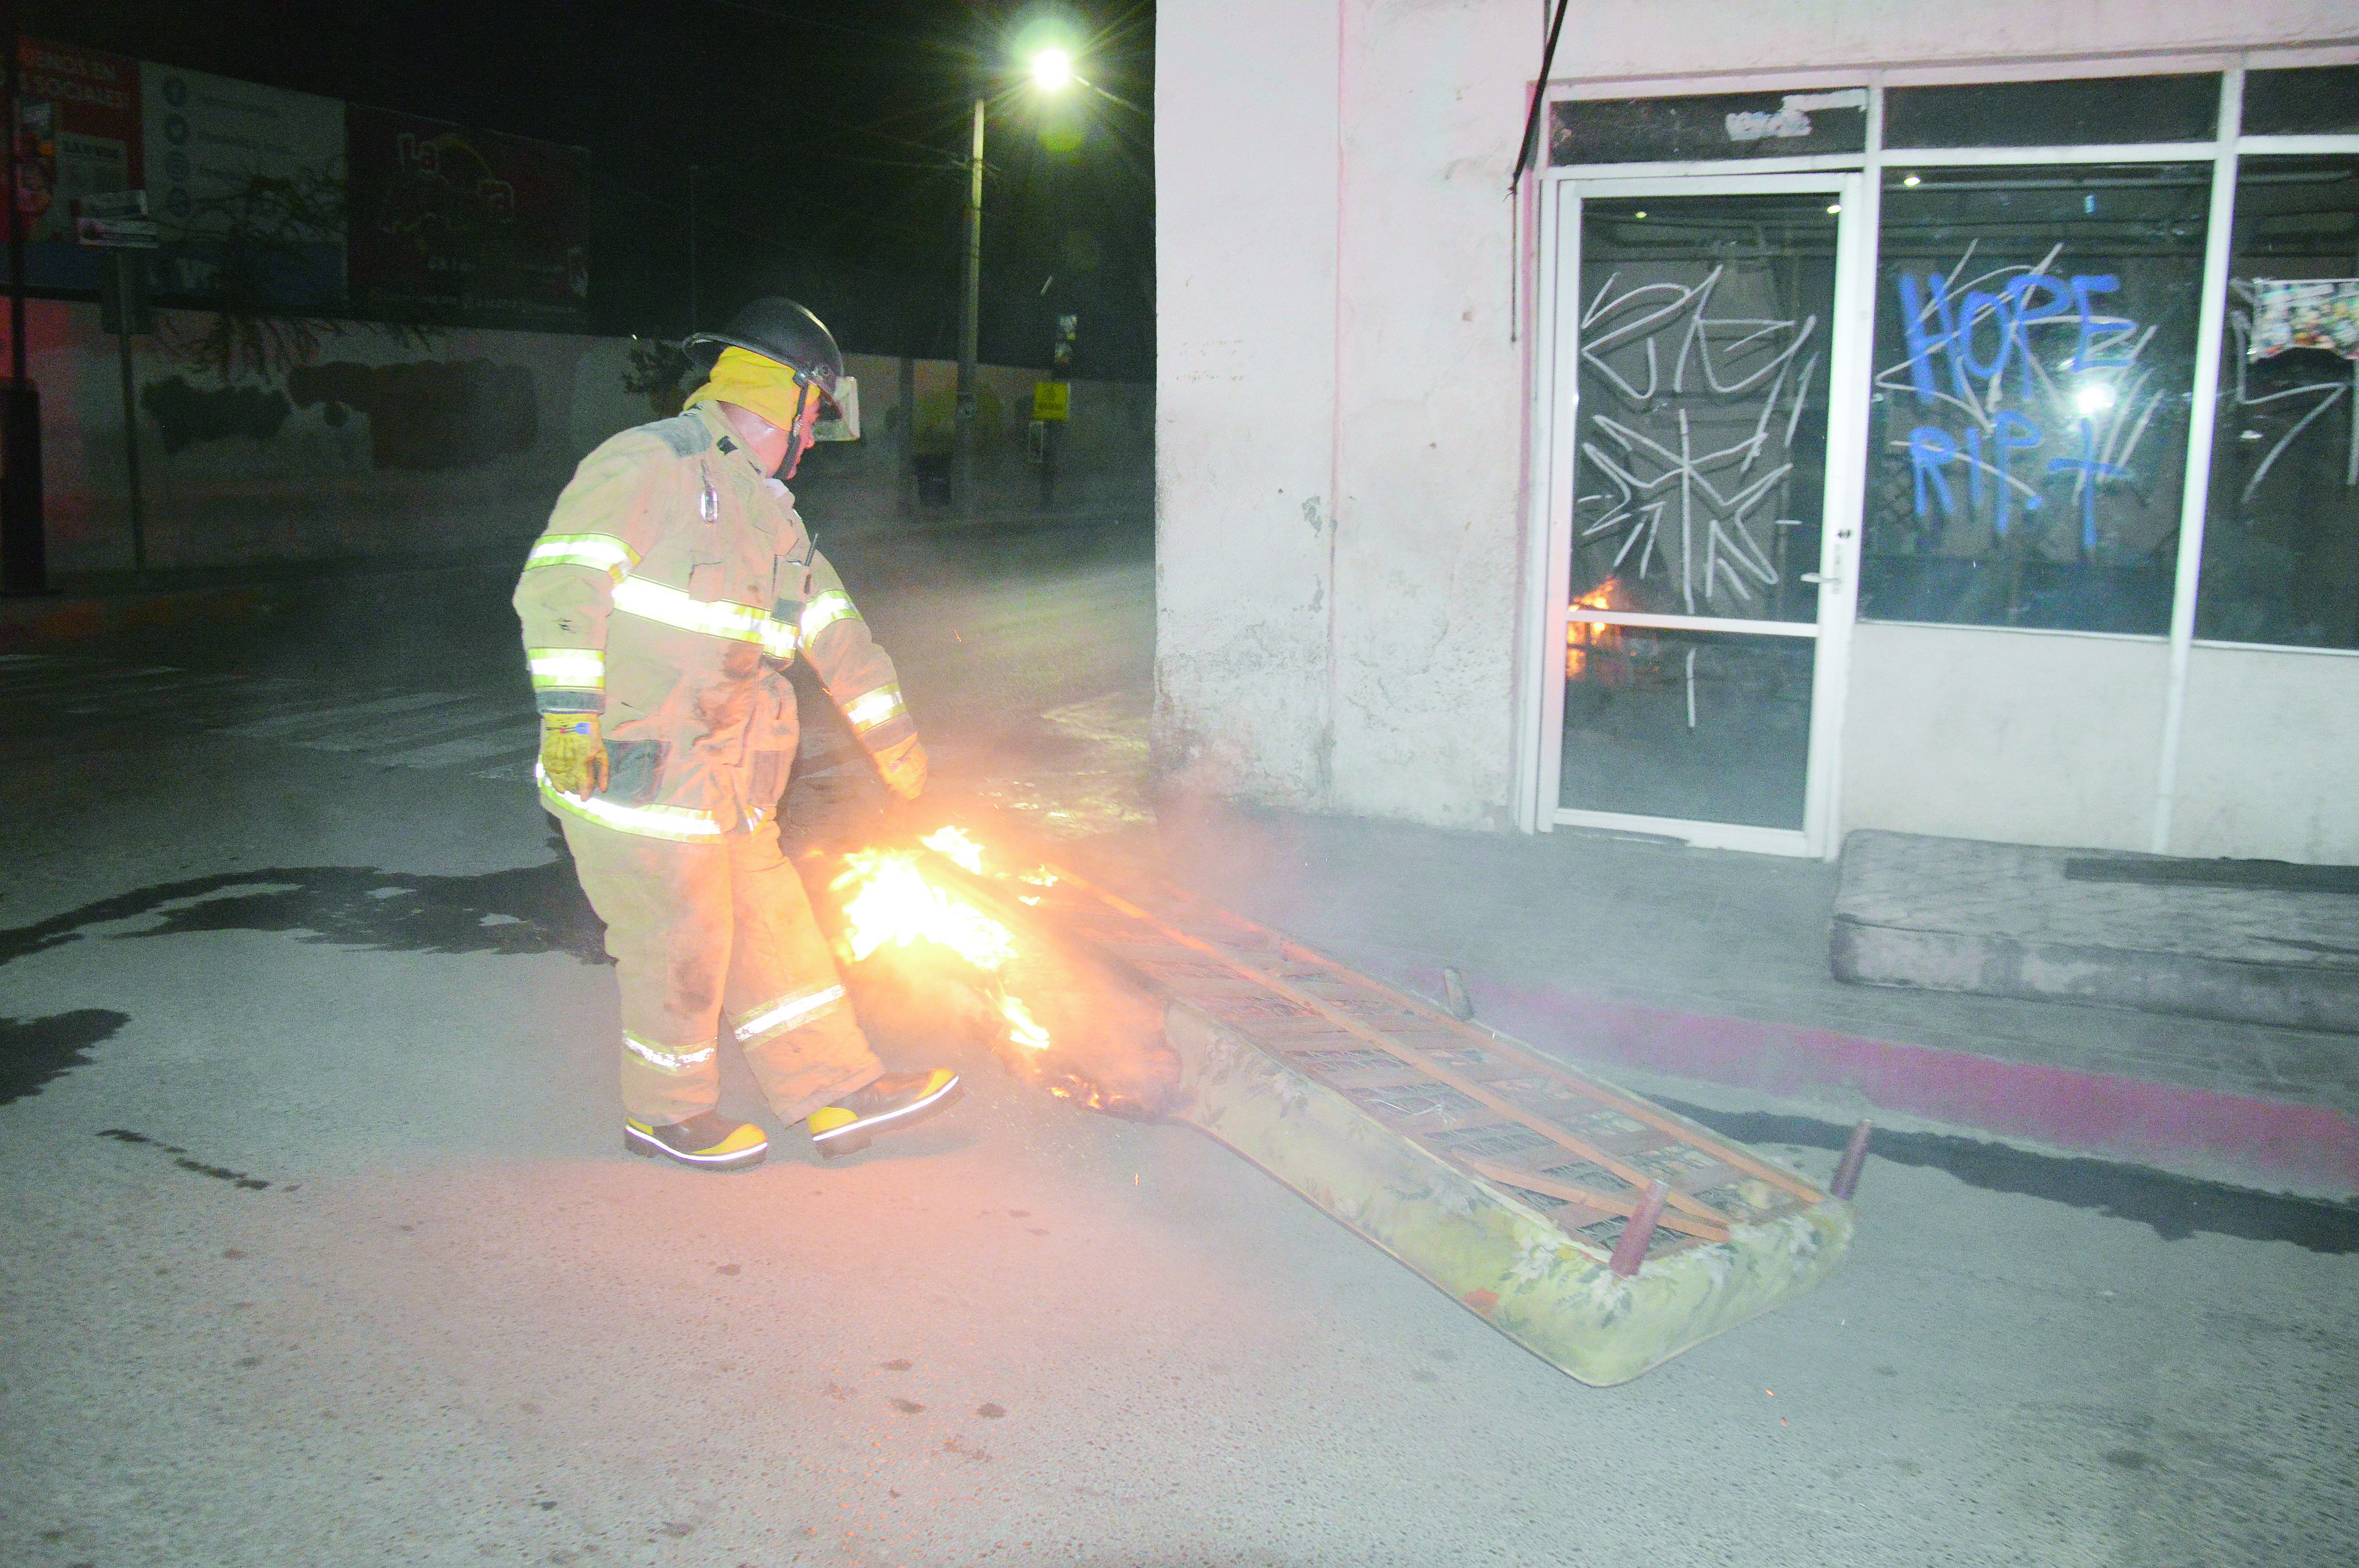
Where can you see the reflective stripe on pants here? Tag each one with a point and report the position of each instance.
(706, 929)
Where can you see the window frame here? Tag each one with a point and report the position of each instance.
(2223, 152)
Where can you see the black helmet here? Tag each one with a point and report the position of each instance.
(777, 328)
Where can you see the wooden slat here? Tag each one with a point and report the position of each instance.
(1469, 1121)
(1717, 1174)
(1688, 1206)
(1587, 1088)
(1704, 1230)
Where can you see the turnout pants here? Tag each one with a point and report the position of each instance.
(716, 940)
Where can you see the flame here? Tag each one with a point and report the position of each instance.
(895, 903)
(958, 846)
(887, 899)
(1021, 1027)
(1584, 637)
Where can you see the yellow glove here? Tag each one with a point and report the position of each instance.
(572, 757)
(903, 763)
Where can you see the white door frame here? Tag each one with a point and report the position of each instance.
(1556, 402)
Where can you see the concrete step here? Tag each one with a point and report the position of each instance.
(2256, 941)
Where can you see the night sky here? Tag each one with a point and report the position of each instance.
(829, 140)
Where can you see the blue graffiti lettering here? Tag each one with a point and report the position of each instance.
(2090, 470)
(2011, 432)
(1920, 346)
(2083, 286)
(1935, 322)
(2013, 310)
(1930, 451)
(1962, 363)
(2019, 290)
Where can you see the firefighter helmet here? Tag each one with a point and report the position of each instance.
(777, 328)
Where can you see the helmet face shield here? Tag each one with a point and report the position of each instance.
(839, 416)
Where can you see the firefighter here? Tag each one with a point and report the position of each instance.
(672, 587)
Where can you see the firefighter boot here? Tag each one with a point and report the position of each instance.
(705, 1140)
(892, 1102)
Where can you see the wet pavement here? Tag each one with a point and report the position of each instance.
(322, 1247)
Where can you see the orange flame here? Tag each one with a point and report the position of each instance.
(1583, 637)
(895, 903)
(957, 846)
(888, 900)
(1021, 1027)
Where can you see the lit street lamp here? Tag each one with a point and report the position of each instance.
(1051, 71)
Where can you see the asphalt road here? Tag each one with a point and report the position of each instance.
(319, 1246)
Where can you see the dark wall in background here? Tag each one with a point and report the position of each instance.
(828, 140)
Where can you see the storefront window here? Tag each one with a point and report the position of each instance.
(2034, 358)
(2281, 533)
(2110, 109)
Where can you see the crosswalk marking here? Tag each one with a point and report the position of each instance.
(449, 753)
(427, 724)
(40, 683)
(273, 727)
(414, 730)
(160, 693)
(493, 735)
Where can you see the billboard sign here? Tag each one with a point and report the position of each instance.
(78, 134)
(459, 225)
(246, 183)
(266, 199)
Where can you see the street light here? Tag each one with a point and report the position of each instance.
(1051, 71)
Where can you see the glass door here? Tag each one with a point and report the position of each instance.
(1702, 350)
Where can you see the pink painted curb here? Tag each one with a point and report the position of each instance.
(2314, 1148)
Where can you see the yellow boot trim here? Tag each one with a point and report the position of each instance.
(745, 1135)
(834, 1119)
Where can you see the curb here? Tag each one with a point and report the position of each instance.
(2277, 1145)
(64, 619)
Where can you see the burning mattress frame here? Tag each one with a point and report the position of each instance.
(1595, 1228)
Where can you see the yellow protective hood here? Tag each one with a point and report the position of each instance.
(750, 381)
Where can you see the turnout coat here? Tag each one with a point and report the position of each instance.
(672, 587)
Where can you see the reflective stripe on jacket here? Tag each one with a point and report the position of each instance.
(673, 585)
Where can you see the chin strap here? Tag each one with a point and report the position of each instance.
(795, 445)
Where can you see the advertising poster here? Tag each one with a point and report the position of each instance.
(78, 133)
(450, 225)
(247, 185)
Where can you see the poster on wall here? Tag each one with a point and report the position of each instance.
(450, 224)
(248, 184)
(78, 133)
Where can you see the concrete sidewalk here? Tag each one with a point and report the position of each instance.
(1678, 970)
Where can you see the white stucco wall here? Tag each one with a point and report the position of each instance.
(1344, 414)
(1339, 402)
(1246, 148)
(2270, 766)
(2030, 737)
(1686, 37)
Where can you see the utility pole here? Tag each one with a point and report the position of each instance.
(24, 542)
(970, 325)
(691, 248)
(130, 291)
